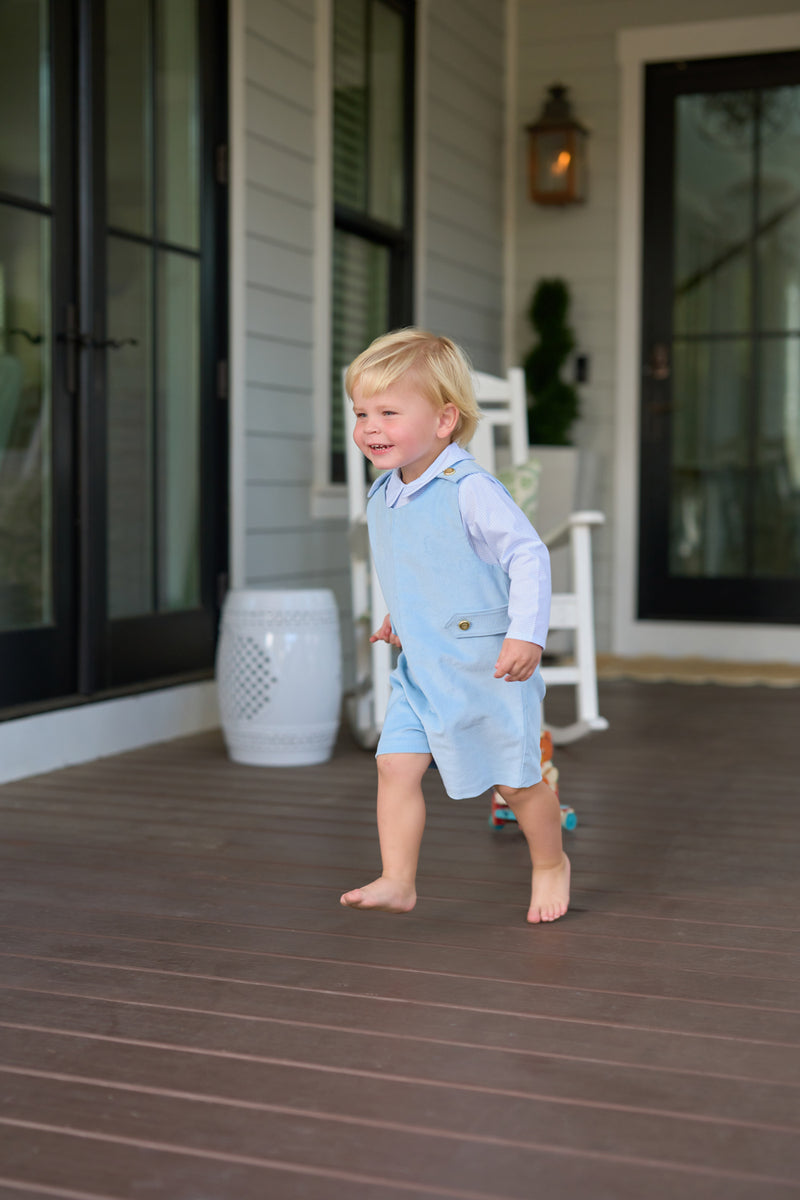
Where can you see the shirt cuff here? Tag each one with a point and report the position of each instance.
(521, 630)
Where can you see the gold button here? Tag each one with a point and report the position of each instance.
(449, 471)
(464, 624)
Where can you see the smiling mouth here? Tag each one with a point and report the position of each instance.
(378, 447)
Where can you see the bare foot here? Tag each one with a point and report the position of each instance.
(549, 892)
(387, 895)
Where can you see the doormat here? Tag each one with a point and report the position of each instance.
(652, 669)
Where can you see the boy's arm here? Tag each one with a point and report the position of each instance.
(500, 532)
(517, 660)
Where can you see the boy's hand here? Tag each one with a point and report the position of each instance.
(385, 634)
(518, 660)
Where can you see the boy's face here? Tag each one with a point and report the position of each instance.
(401, 428)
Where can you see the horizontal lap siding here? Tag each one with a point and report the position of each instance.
(463, 188)
(575, 42)
(285, 546)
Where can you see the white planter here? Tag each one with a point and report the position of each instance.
(279, 676)
(558, 485)
(567, 482)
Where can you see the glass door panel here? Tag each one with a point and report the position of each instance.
(713, 202)
(130, 429)
(26, 338)
(179, 432)
(26, 576)
(177, 99)
(129, 116)
(709, 458)
(164, 620)
(777, 452)
(777, 489)
(25, 100)
(153, 250)
(37, 442)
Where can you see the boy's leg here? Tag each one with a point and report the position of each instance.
(401, 821)
(539, 817)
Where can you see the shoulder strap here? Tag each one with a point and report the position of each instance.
(461, 470)
(380, 482)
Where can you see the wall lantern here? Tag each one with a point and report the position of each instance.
(557, 152)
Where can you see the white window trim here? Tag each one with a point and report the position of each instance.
(635, 48)
(512, 152)
(237, 320)
(329, 500)
(420, 255)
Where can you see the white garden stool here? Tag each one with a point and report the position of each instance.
(279, 676)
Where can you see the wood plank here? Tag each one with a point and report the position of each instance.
(90, 1038)
(421, 1151)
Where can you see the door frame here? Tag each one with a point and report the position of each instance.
(635, 48)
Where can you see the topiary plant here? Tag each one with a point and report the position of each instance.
(553, 405)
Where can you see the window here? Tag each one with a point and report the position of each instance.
(373, 128)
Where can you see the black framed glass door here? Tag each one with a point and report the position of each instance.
(720, 417)
(38, 548)
(112, 330)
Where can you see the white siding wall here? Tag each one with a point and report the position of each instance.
(283, 545)
(462, 190)
(574, 42)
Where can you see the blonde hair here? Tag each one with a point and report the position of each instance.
(439, 368)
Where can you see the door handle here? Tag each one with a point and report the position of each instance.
(87, 341)
(35, 339)
(75, 340)
(113, 343)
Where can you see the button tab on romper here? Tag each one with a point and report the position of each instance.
(464, 624)
(449, 471)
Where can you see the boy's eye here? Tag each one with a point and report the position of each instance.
(388, 412)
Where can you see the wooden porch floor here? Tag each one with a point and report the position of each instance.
(186, 1012)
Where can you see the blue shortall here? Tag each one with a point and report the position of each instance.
(450, 612)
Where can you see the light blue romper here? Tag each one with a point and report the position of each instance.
(450, 612)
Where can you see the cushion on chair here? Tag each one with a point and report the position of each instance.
(523, 484)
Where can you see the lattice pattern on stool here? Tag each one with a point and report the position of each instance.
(247, 676)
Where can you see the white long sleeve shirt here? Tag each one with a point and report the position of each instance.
(499, 532)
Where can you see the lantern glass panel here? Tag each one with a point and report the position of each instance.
(578, 166)
(553, 158)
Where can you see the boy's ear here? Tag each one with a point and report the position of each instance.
(448, 419)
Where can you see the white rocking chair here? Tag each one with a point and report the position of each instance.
(502, 402)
